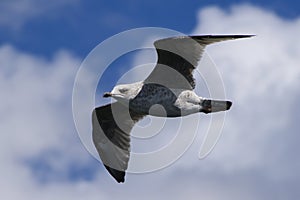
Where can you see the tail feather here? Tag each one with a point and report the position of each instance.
(209, 106)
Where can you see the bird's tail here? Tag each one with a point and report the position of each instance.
(209, 106)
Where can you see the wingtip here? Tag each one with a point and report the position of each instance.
(240, 36)
(118, 175)
(228, 36)
(245, 36)
(208, 38)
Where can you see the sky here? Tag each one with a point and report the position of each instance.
(42, 45)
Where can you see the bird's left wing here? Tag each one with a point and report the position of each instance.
(112, 124)
(179, 56)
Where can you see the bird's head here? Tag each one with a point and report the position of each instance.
(124, 93)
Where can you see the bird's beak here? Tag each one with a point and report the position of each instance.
(107, 94)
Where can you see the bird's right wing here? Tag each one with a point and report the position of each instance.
(112, 124)
(179, 56)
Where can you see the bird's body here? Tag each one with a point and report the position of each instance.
(154, 94)
(158, 100)
(166, 92)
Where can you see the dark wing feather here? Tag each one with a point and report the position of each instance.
(179, 56)
(112, 124)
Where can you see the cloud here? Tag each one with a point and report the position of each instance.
(261, 75)
(38, 140)
(14, 14)
(256, 157)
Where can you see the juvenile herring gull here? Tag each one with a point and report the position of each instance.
(170, 85)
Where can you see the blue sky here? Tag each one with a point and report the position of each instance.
(42, 44)
(79, 26)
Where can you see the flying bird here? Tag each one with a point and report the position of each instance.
(166, 92)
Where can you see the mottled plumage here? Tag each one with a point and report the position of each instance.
(170, 85)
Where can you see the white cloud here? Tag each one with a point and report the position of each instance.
(261, 76)
(256, 157)
(36, 122)
(16, 13)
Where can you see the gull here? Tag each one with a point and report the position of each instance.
(166, 92)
